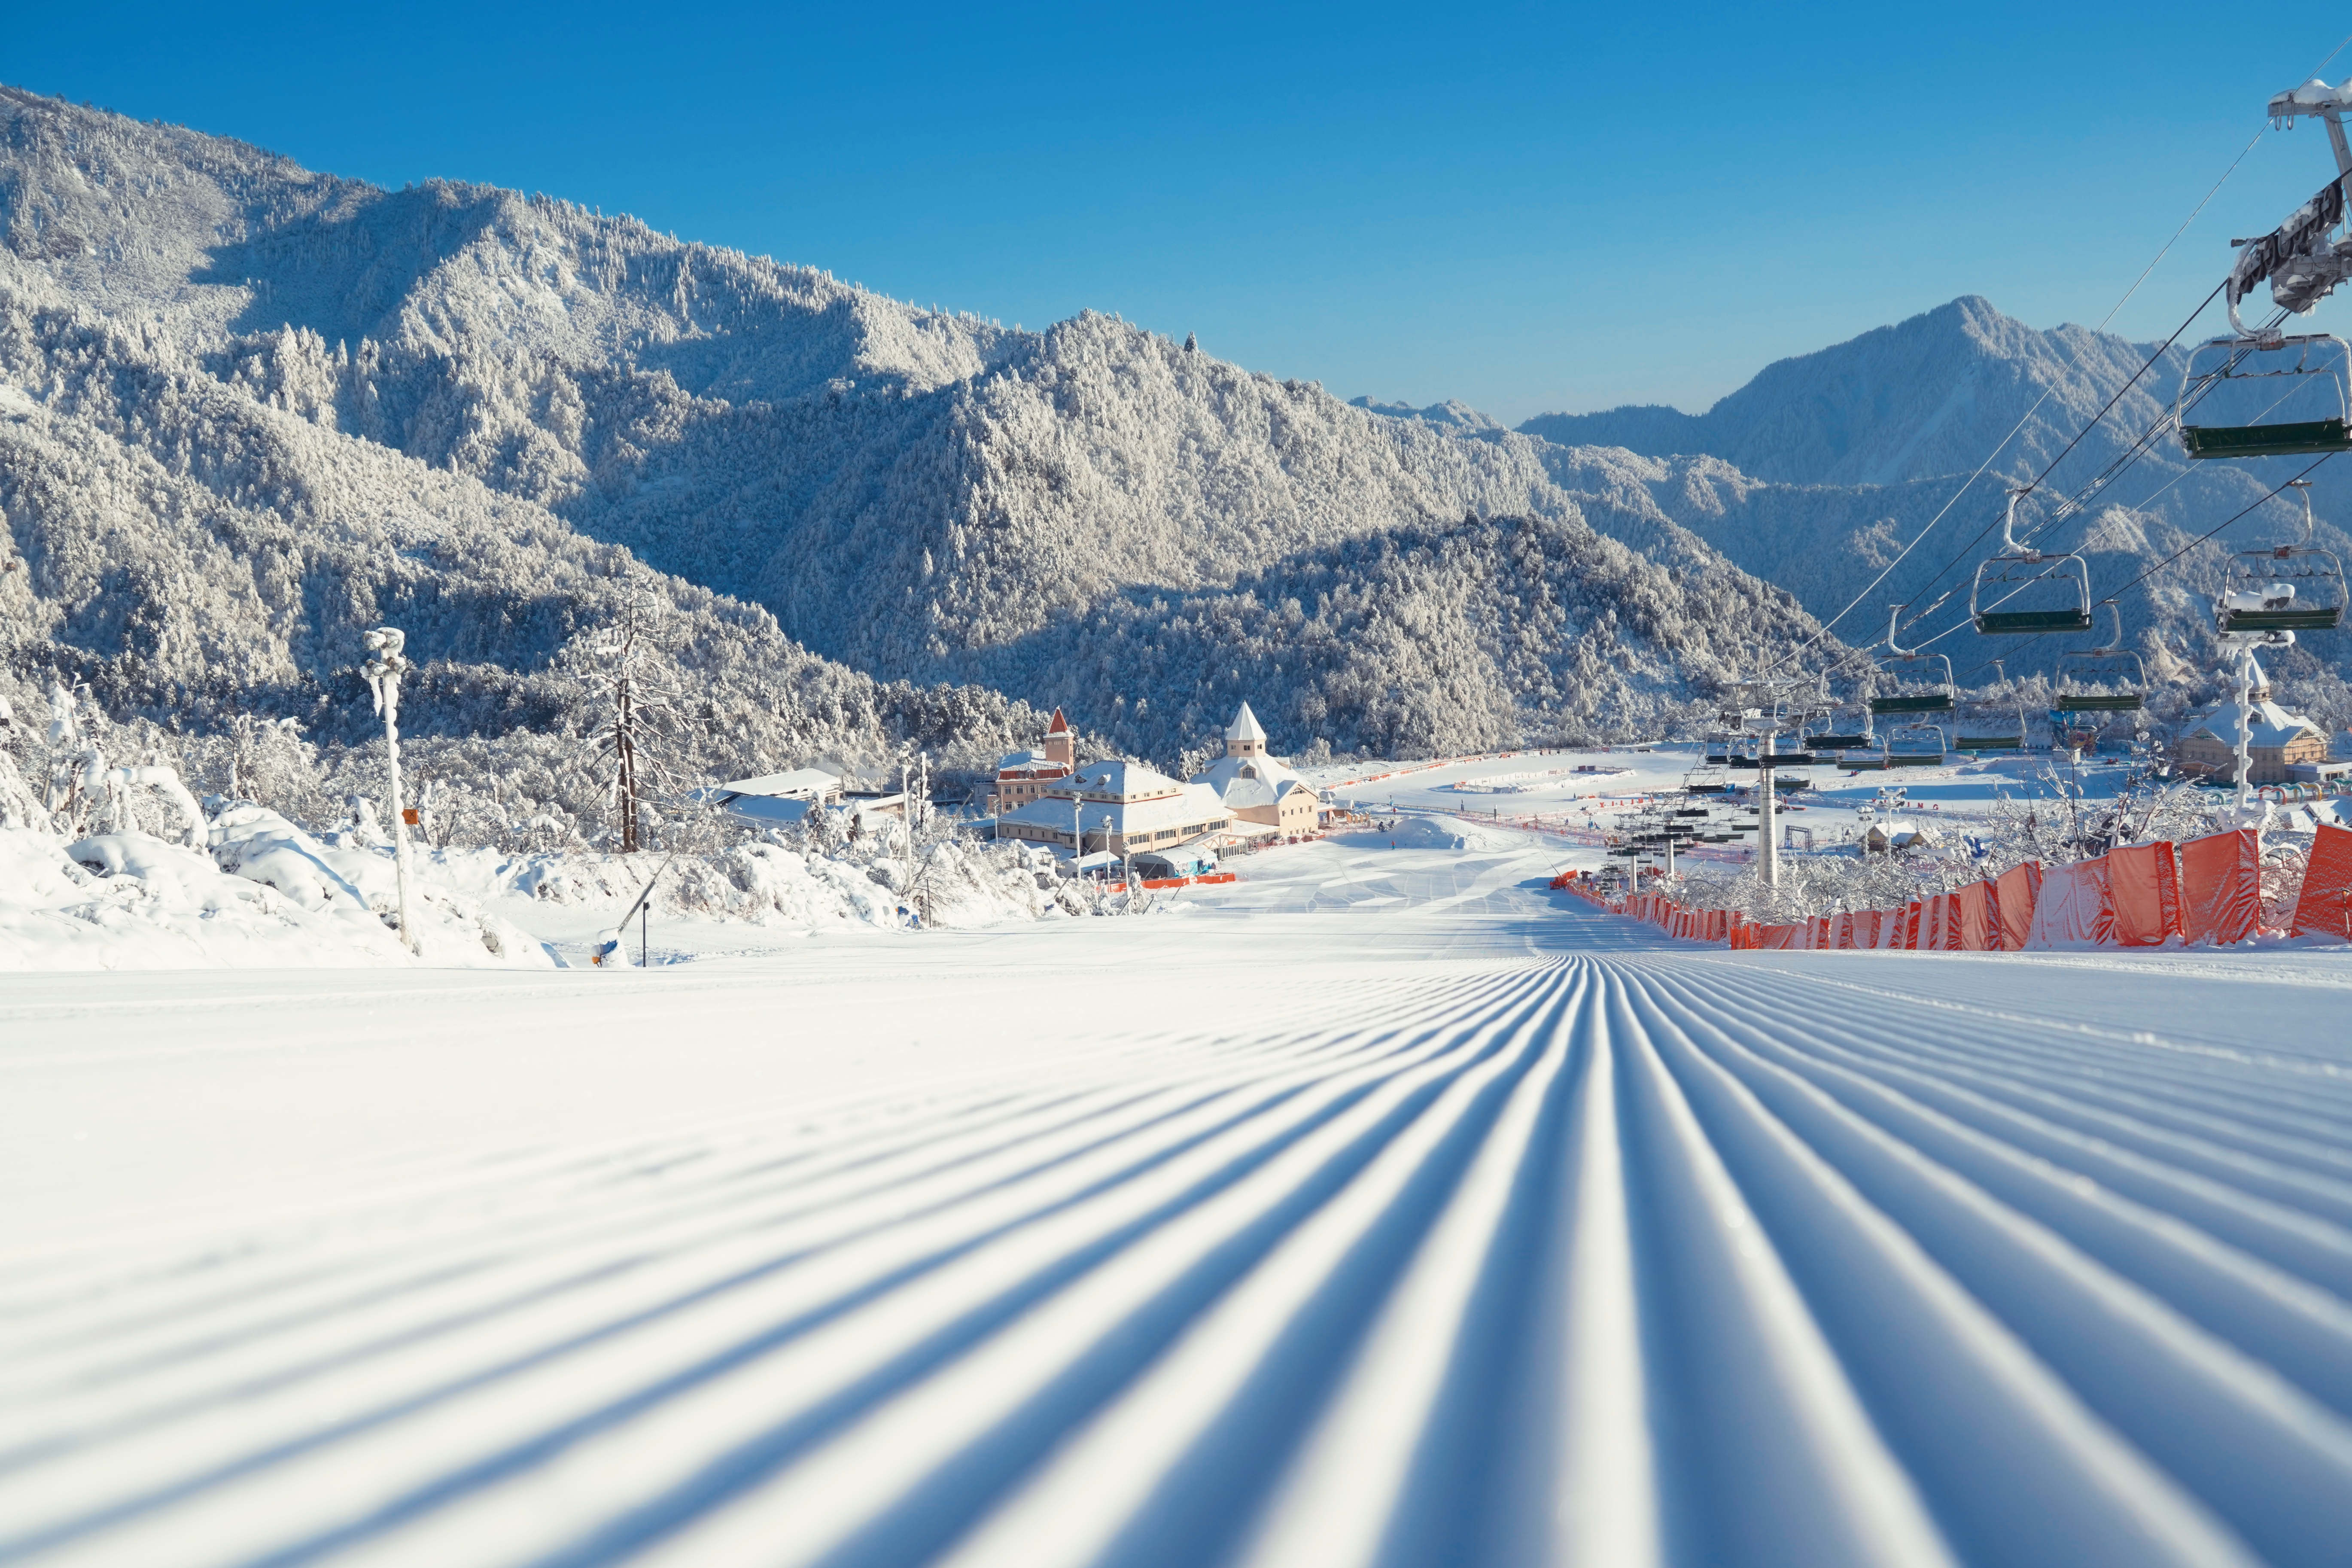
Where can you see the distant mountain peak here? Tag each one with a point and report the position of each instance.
(1450, 415)
(1933, 393)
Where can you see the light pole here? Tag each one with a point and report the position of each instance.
(383, 669)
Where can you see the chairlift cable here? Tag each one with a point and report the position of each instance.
(1965, 550)
(2080, 500)
(2139, 446)
(2002, 444)
(2160, 565)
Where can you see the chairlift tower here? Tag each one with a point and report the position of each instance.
(1766, 703)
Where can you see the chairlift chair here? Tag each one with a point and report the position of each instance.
(1991, 727)
(2109, 678)
(1923, 680)
(2311, 371)
(1841, 739)
(2024, 592)
(1917, 746)
(2286, 588)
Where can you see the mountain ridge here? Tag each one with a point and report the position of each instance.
(924, 495)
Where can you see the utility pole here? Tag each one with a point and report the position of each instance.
(383, 669)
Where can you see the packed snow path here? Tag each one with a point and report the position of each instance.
(1455, 1225)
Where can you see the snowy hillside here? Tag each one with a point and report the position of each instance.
(924, 495)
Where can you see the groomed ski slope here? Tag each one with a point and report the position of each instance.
(1389, 1210)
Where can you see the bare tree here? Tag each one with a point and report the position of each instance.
(643, 720)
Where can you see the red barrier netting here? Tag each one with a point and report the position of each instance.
(1975, 920)
(2144, 887)
(2326, 907)
(2018, 888)
(2143, 894)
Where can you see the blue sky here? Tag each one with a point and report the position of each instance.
(1525, 207)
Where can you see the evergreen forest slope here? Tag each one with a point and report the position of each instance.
(1091, 515)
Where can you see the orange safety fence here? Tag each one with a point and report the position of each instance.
(1975, 922)
(2019, 887)
(2141, 895)
(2326, 907)
(2143, 887)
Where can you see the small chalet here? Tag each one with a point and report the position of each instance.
(1267, 798)
(1024, 776)
(2279, 743)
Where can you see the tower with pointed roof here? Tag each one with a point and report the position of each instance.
(1245, 737)
(1267, 798)
(1022, 776)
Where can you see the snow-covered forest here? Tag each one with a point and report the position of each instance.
(471, 408)
(248, 410)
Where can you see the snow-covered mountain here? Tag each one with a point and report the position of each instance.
(1924, 397)
(1090, 515)
(1815, 473)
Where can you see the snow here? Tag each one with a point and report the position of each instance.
(1380, 1206)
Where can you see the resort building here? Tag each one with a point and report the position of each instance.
(1022, 776)
(2281, 741)
(1123, 807)
(1266, 797)
(786, 800)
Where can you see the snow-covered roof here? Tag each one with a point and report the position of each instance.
(1029, 762)
(770, 810)
(1120, 780)
(1242, 793)
(2273, 725)
(1060, 726)
(1192, 805)
(802, 781)
(1245, 726)
(1222, 773)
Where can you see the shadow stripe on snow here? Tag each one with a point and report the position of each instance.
(546, 1444)
(2216, 1425)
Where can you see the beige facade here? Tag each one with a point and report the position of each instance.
(1123, 808)
(1258, 788)
(2279, 741)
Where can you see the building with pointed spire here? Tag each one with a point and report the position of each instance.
(1024, 776)
(1245, 737)
(1266, 797)
(2278, 742)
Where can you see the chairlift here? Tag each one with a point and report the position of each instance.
(1924, 680)
(2109, 678)
(2247, 383)
(2286, 588)
(1917, 746)
(1993, 727)
(2022, 591)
